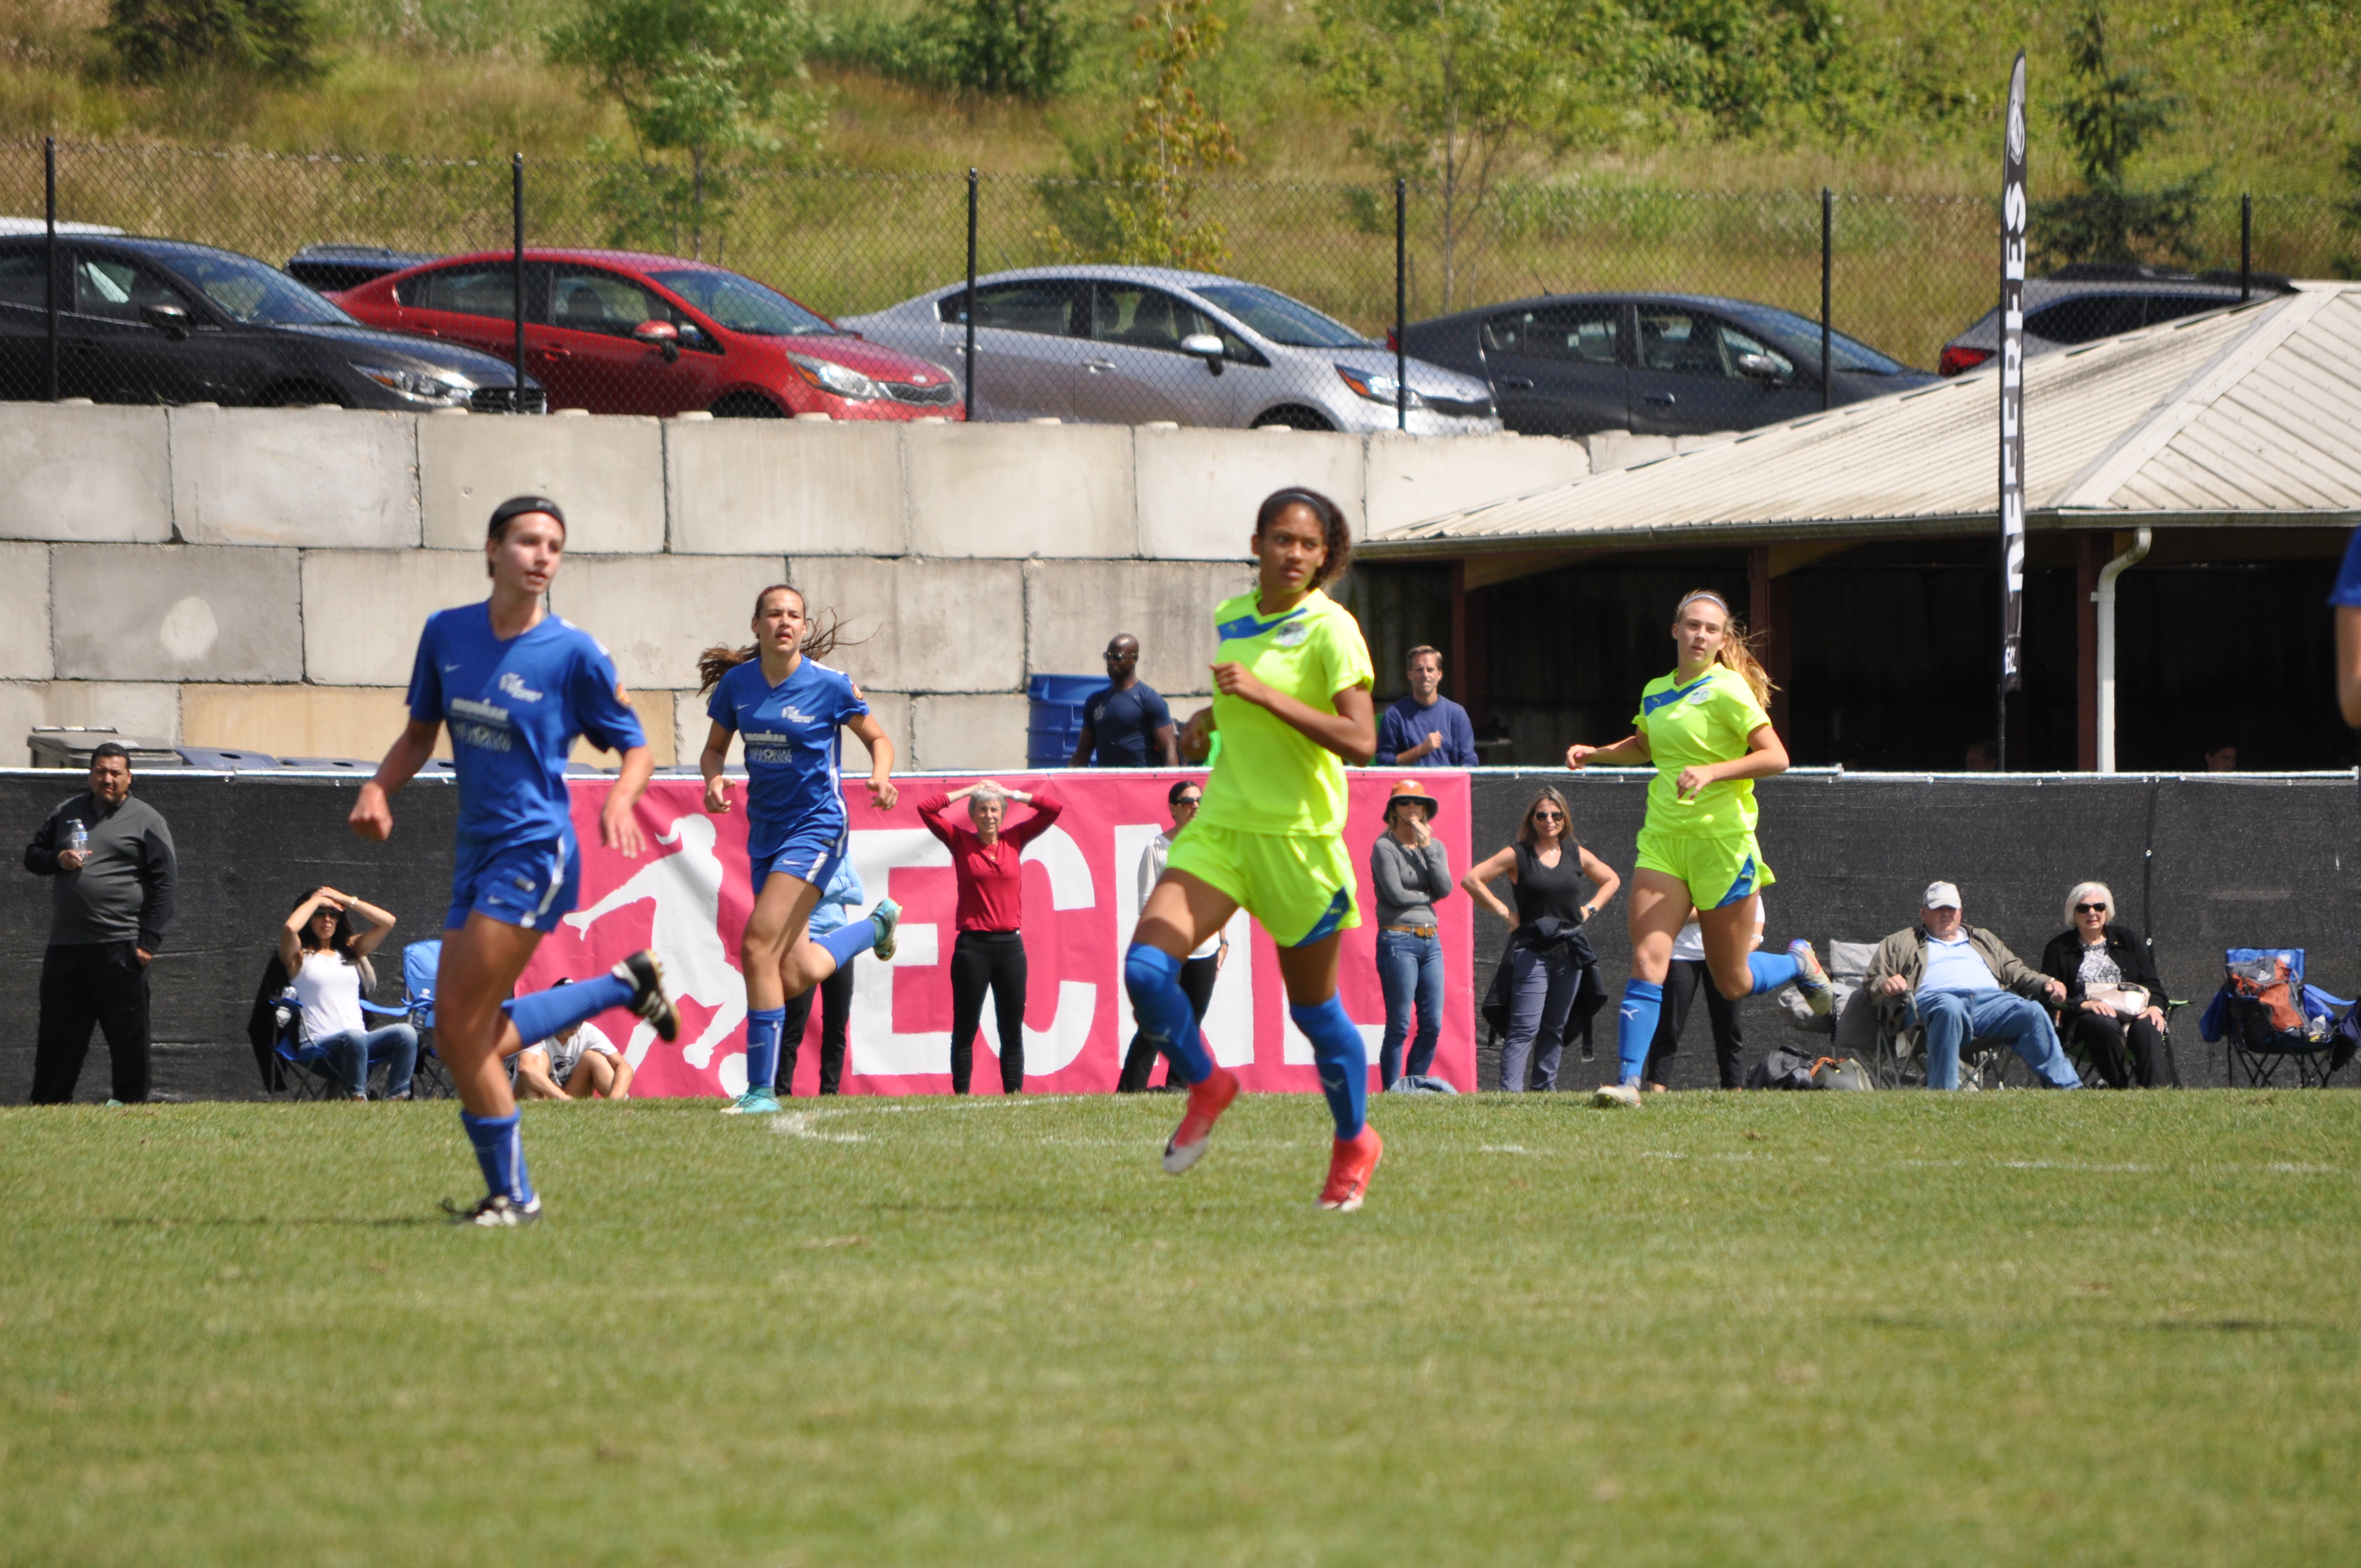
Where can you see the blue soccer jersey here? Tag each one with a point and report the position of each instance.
(790, 731)
(514, 709)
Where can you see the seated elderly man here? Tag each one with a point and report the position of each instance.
(1959, 984)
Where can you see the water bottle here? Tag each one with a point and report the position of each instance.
(78, 837)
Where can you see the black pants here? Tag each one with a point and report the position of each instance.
(1197, 976)
(1680, 990)
(993, 959)
(835, 994)
(2103, 1037)
(100, 984)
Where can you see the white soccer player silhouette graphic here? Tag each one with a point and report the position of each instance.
(687, 889)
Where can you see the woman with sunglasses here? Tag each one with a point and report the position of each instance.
(2112, 994)
(1204, 966)
(1704, 728)
(1547, 868)
(1291, 705)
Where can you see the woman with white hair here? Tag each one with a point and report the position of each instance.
(2114, 999)
(989, 955)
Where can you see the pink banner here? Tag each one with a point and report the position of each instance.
(689, 897)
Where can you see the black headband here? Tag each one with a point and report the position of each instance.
(516, 507)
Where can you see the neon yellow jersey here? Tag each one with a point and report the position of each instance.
(1706, 721)
(1268, 778)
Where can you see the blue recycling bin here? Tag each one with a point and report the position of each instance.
(1056, 722)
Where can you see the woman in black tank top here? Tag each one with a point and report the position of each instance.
(1546, 866)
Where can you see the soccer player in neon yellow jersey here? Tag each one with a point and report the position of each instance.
(1291, 680)
(1704, 728)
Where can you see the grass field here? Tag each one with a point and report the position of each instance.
(1763, 1330)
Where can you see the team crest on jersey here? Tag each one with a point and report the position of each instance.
(795, 715)
(1703, 694)
(1292, 634)
(513, 684)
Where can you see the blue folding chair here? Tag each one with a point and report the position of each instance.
(419, 960)
(302, 1065)
(2265, 1017)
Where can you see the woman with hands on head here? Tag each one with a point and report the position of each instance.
(787, 706)
(1545, 867)
(327, 962)
(1704, 728)
(988, 862)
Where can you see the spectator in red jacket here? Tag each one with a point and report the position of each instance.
(990, 952)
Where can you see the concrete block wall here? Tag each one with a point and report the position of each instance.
(256, 578)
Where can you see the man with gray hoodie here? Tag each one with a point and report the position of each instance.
(110, 858)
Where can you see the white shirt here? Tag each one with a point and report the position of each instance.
(1689, 945)
(566, 1055)
(329, 990)
(1151, 866)
(1955, 966)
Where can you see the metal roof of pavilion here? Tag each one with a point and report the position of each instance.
(2248, 415)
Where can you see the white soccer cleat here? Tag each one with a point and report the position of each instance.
(1621, 1096)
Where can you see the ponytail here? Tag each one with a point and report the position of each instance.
(821, 639)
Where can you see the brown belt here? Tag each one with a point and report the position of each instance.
(1415, 930)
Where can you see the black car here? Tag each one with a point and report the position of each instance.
(331, 268)
(2089, 301)
(1653, 364)
(157, 320)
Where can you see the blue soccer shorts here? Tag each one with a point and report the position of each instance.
(528, 885)
(809, 855)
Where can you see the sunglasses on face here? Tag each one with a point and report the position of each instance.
(1549, 817)
(1188, 800)
(2090, 909)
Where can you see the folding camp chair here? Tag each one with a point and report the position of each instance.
(2266, 1017)
(419, 962)
(302, 1072)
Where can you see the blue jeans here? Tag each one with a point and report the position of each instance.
(1953, 1018)
(1409, 968)
(346, 1059)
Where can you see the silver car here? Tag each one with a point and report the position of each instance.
(1131, 345)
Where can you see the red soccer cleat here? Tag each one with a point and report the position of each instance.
(1349, 1169)
(1207, 1100)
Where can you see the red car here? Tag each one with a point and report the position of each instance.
(617, 333)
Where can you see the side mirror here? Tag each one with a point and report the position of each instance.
(172, 320)
(1760, 368)
(663, 334)
(1203, 346)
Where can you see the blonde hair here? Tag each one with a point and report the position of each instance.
(1736, 652)
(2082, 891)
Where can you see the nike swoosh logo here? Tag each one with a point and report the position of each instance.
(450, 669)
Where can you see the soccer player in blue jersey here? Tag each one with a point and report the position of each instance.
(788, 707)
(515, 685)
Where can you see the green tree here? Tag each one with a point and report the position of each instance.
(702, 79)
(152, 40)
(1017, 48)
(2109, 115)
(1145, 213)
(1448, 91)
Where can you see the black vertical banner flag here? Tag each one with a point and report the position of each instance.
(2012, 399)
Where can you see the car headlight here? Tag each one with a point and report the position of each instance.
(446, 388)
(1376, 388)
(830, 377)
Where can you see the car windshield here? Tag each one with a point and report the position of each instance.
(1280, 319)
(1800, 337)
(252, 293)
(744, 305)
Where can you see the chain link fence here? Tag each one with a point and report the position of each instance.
(762, 262)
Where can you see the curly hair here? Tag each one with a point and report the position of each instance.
(1336, 529)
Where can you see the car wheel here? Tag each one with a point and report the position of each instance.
(1294, 416)
(746, 405)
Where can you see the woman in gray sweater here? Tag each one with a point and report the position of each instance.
(1410, 874)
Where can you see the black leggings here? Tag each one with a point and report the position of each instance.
(1197, 976)
(835, 994)
(2104, 1037)
(1681, 983)
(994, 959)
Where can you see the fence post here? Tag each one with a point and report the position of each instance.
(49, 256)
(967, 309)
(1401, 303)
(2246, 246)
(1828, 258)
(516, 218)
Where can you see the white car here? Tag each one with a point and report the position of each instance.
(1132, 344)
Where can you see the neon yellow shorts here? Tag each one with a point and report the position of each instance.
(1299, 887)
(1718, 871)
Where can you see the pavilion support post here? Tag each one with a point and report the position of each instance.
(1768, 616)
(2091, 551)
(1469, 676)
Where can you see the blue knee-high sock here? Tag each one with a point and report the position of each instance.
(849, 941)
(1343, 1061)
(1635, 1026)
(499, 1149)
(1165, 1020)
(762, 1046)
(542, 1014)
(1772, 971)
